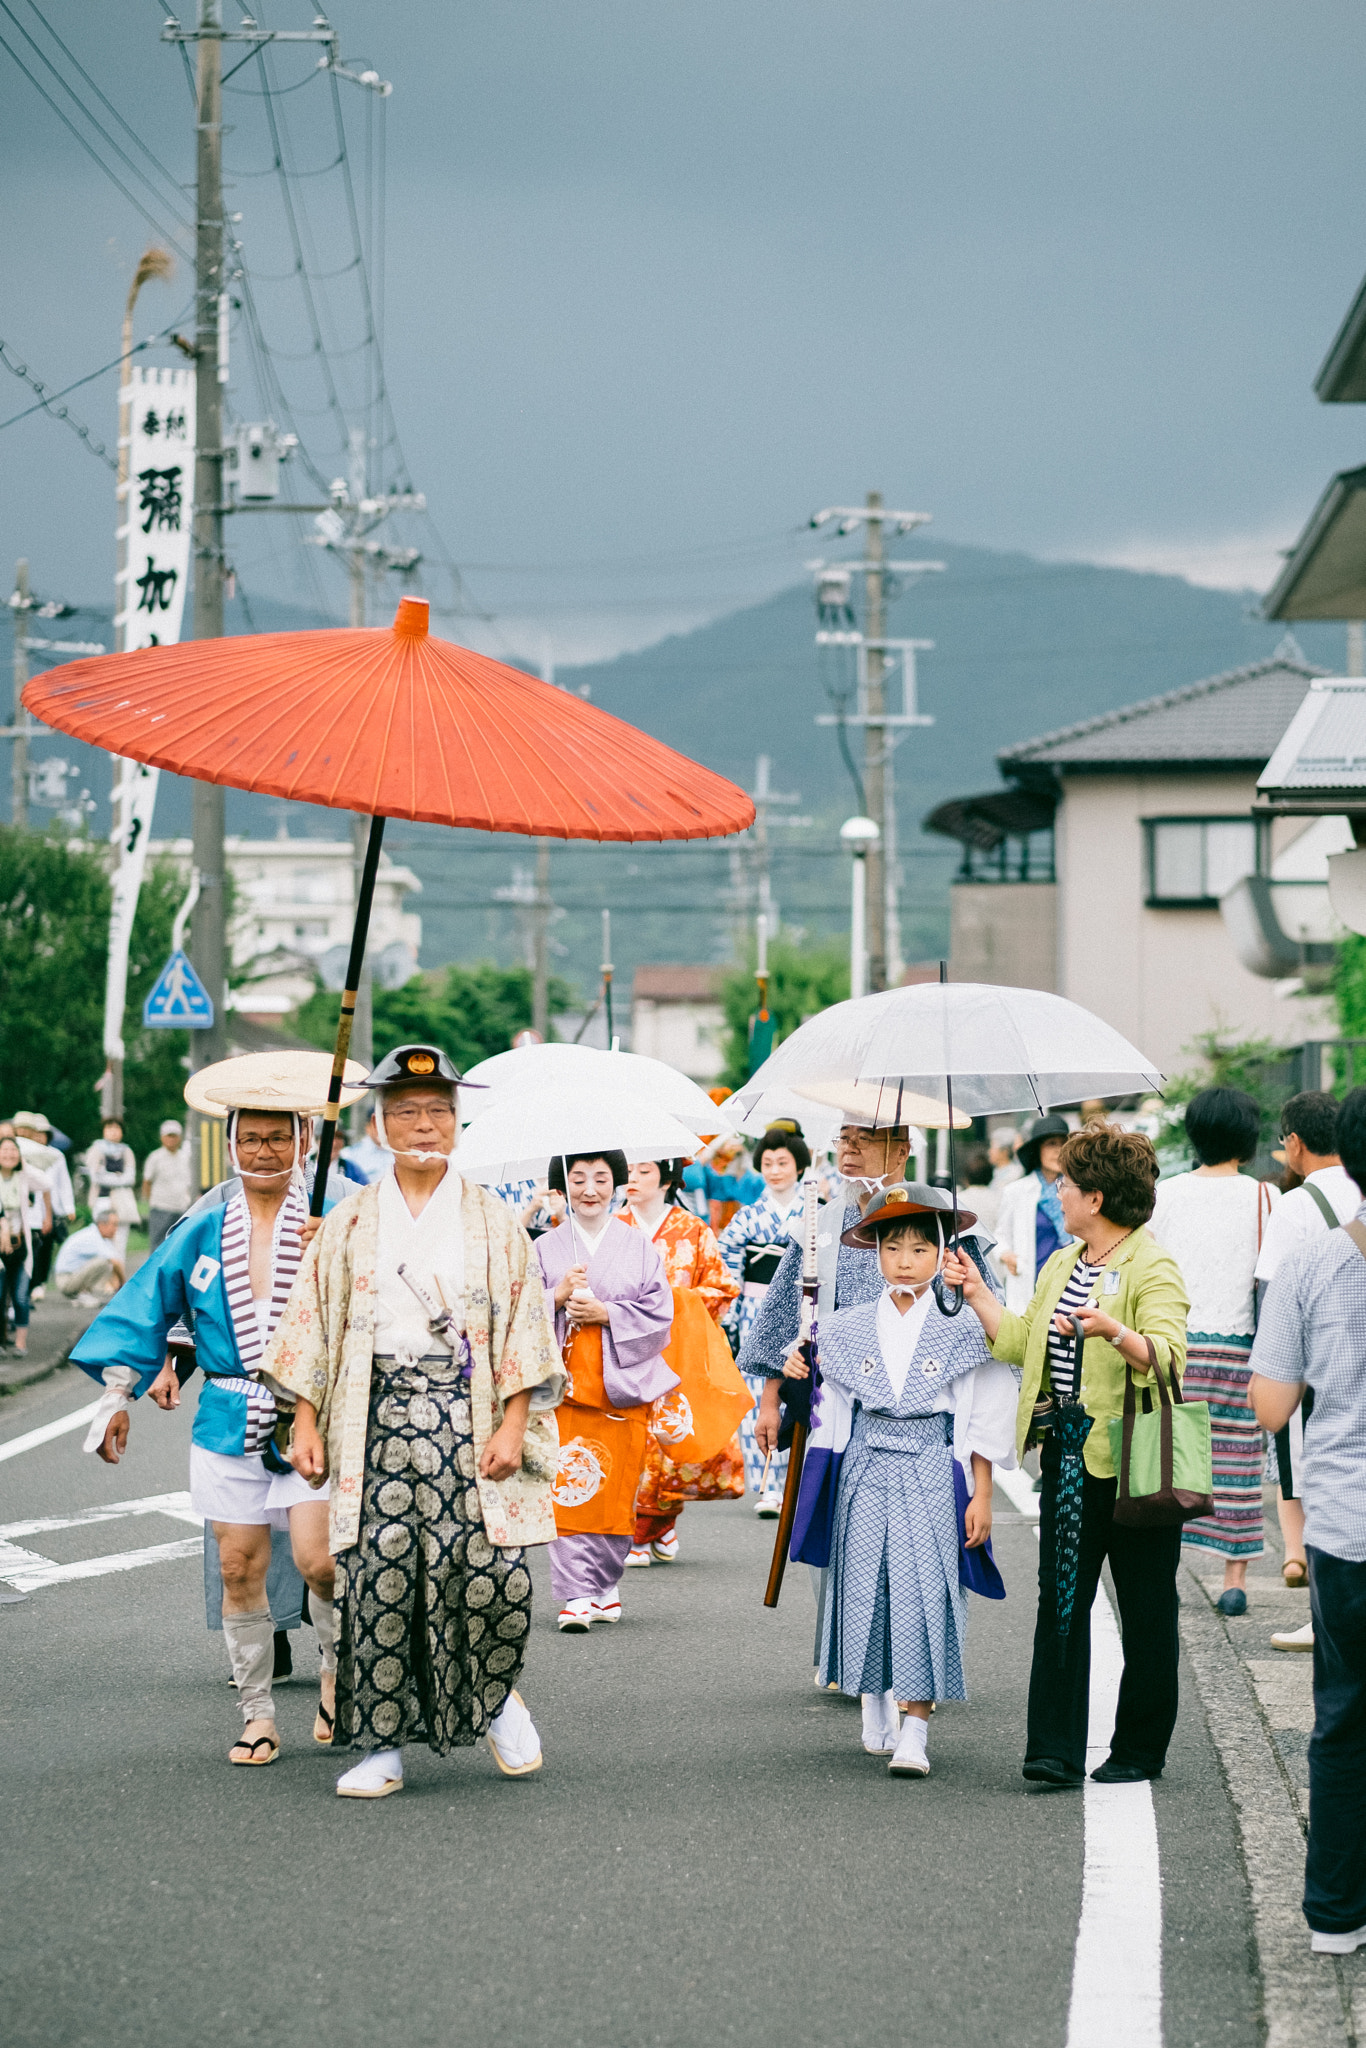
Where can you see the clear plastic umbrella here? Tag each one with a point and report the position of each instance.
(520, 1135)
(1001, 1048)
(976, 1049)
(547, 1066)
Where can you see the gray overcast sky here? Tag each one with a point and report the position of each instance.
(661, 280)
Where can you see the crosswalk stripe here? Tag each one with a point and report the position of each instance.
(33, 1437)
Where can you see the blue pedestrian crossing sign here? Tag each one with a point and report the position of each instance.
(179, 1001)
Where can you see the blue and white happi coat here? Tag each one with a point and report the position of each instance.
(895, 1613)
(200, 1275)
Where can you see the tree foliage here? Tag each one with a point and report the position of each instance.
(54, 942)
(801, 981)
(1256, 1065)
(470, 1012)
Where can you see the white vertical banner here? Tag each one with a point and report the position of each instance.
(157, 513)
(134, 797)
(156, 520)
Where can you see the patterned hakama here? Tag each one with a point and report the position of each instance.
(433, 1619)
(895, 1615)
(1217, 1371)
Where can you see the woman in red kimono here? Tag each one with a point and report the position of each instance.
(692, 1259)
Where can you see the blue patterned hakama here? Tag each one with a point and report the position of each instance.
(895, 1612)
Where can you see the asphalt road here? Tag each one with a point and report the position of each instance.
(708, 1854)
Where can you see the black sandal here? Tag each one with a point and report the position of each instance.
(267, 1741)
(323, 1721)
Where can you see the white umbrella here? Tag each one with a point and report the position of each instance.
(1003, 1049)
(820, 1126)
(520, 1135)
(544, 1066)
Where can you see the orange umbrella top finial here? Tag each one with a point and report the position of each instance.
(411, 619)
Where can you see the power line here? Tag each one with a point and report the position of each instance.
(58, 412)
(151, 156)
(47, 399)
(85, 144)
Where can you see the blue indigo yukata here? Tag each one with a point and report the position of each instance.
(895, 1613)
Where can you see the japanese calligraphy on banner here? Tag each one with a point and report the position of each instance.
(155, 522)
(157, 513)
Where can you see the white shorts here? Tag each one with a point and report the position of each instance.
(224, 1488)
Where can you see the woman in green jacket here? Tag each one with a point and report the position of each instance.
(1124, 1289)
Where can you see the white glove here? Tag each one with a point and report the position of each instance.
(119, 1380)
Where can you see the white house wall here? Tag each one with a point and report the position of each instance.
(1162, 977)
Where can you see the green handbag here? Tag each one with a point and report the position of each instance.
(1163, 1455)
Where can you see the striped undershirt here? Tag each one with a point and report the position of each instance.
(1061, 1367)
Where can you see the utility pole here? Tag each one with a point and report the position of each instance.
(21, 604)
(872, 647)
(208, 940)
(875, 739)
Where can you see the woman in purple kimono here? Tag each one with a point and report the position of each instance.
(613, 1311)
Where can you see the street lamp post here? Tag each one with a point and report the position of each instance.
(859, 834)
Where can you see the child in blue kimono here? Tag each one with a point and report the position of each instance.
(925, 1392)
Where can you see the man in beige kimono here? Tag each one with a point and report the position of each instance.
(420, 1351)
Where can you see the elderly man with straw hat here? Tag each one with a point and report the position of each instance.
(420, 1351)
(225, 1271)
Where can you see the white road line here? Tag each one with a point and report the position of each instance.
(27, 1569)
(1117, 1971)
(34, 1437)
(177, 1505)
(1018, 1488)
(42, 1571)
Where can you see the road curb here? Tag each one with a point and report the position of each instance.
(17, 1378)
(1305, 1999)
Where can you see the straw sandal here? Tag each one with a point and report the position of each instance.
(1295, 1573)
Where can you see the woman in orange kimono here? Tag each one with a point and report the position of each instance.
(692, 1259)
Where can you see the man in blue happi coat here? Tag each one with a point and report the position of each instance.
(225, 1273)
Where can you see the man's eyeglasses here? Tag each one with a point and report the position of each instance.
(279, 1141)
(404, 1113)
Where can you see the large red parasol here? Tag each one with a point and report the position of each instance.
(394, 724)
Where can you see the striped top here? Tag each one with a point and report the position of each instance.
(1061, 1350)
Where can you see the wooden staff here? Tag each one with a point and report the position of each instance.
(796, 1456)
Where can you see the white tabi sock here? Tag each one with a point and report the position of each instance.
(880, 1722)
(251, 1649)
(324, 1619)
(381, 1766)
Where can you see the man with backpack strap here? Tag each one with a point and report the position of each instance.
(1327, 1197)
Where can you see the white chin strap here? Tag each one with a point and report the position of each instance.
(293, 1172)
(399, 1151)
(869, 1182)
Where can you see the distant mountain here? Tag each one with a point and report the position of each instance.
(1021, 646)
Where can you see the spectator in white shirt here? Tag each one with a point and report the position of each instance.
(111, 1171)
(166, 1182)
(33, 1131)
(87, 1269)
(1327, 1198)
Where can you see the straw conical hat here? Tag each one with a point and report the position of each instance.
(282, 1081)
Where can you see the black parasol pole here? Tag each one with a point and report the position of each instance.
(951, 1308)
(359, 934)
